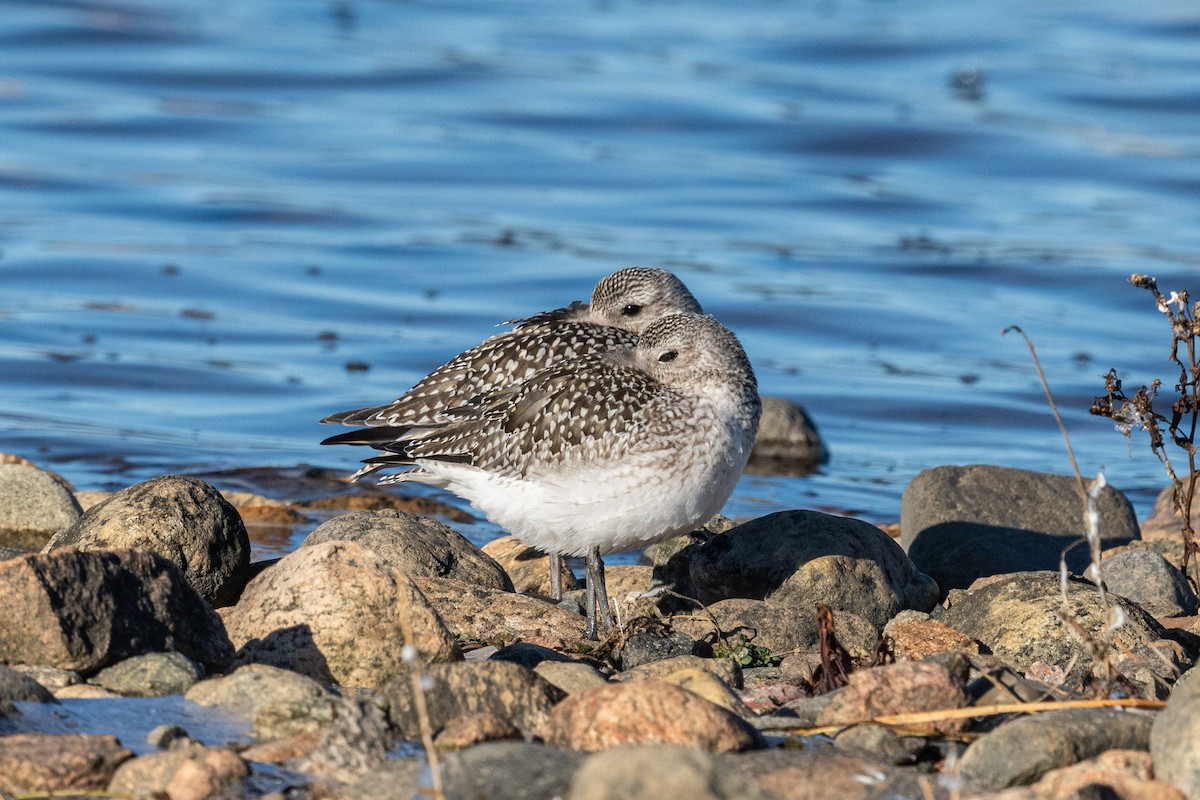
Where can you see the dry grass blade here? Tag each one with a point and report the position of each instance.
(971, 712)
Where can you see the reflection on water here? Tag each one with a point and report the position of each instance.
(219, 222)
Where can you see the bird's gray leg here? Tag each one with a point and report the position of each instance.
(597, 595)
(555, 577)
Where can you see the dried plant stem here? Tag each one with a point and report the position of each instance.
(1053, 406)
(418, 691)
(971, 712)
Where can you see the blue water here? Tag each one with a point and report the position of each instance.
(209, 209)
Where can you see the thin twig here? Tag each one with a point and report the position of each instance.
(1053, 406)
(412, 660)
(970, 712)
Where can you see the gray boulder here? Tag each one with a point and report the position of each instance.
(962, 523)
(33, 506)
(800, 559)
(511, 771)
(664, 771)
(1022, 750)
(184, 520)
(1018, 617)
(1145, 577)
(1175, 737)
(417, 545)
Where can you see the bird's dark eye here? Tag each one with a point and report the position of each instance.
(631, 310)
(668, 356)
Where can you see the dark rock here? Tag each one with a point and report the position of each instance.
(52, 678)
(37, 763)
(963, 523)
(86, 610)
(644, 712)
(1175, 737)
(801, 558)
(337, 612)
(506, 690)
(419, 546)
(1018, 618)
(33, 507)
(819, 771)
(528, 655)
(787, 440)
(182, 519)
(150, 675)
(642, 647)
(510, 771)
(164, 737)
(665, 771)
(15, 686)
(1148, 579)
(1022, 750)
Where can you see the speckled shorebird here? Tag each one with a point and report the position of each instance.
(622, 305)
(604, 452)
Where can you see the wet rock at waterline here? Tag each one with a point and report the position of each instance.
(16, 686)
(182, 519)
(962, 523)
(33, 506)
(84, 610)
(787, 440)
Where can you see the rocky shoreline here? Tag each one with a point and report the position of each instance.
(797, 655)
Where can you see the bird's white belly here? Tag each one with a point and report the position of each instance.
(612, 507)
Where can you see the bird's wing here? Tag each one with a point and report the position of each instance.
(583, 409)
(505, 358)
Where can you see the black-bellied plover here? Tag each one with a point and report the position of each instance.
(604, 452)
(622, 305)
